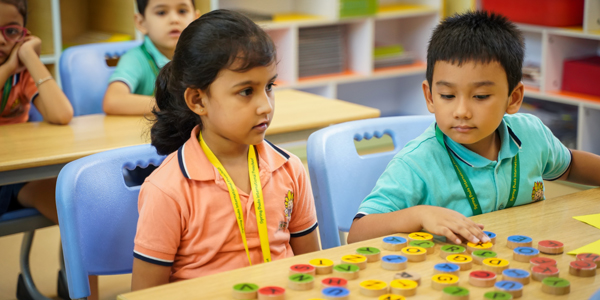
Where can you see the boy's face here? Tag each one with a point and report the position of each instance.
(9, 15)
(164, 20)
(469, 101)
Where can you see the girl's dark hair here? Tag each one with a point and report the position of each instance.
(142, 4)
(21, 6)
(213, 42)
(481, 37)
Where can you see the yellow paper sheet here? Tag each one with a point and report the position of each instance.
(590, 248)
(593, 220)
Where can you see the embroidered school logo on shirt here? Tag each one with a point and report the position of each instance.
(289, 205)
(538, 191)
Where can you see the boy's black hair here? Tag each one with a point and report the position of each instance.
(215, 41)
(21, 6)
(141, 5)
(481, 37)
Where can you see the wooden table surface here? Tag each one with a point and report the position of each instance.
(37, 144)
(550, 219)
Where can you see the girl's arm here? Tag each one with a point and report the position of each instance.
(305, 244)
(51, 101)
(119, 100)
(146, 275)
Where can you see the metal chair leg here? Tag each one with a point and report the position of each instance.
(25, 271)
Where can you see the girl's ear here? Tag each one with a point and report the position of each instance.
(515, 99)
(194, 98)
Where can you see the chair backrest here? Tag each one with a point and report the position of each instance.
(84, 74)
(341, 178)
(98, 214)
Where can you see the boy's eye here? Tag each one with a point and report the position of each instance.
(161, 12)
(446, 96)
(246, 92)
(270, 86)
(481, 97)
(183, 11)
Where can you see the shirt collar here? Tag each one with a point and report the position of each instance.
(510, 145)
(194, 163)
(158, 57)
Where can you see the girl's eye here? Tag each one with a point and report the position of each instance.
(447, 96)
(183, 11)
(481, 97)
(246, 92)
(270, 86)
(12, 31)
(161, 12)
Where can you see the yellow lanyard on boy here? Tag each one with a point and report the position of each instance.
(259, 203)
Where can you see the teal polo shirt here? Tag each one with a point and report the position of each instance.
(135, 71)
(422, 173)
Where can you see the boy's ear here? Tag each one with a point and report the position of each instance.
(198, 13)
(428, 96)
(516, 99)
(194, 98)
(140, 23)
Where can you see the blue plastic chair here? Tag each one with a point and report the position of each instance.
(341, 178)
(98, 214)
(84, 74)
(25, 220)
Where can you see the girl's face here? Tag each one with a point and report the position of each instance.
(9, 15)
(240, 106)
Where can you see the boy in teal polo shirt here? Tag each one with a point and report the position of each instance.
(479, 156)
(131, 86)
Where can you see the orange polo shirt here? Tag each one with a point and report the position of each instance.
(187, 220)
(22, 94)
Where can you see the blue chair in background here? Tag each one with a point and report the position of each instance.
(84, 74)
(341, 178)
(98, 214)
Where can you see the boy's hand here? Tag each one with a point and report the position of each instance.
(449, 223)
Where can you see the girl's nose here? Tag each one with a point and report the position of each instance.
(265, 105)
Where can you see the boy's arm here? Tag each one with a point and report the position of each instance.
(146, 275)
(583, 169)
(436, 220)
(305, 244)
(51, 101)
(119, 100)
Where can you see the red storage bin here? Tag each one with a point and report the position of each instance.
(582, 76)
(557, 13)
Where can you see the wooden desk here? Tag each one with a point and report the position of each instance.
(39, 150)
(550, 219)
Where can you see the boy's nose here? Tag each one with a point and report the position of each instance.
(462, 110)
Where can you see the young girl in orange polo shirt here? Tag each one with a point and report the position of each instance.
(225, 197)
(25, 81)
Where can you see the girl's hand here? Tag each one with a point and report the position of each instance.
(30, 43)
(452, 225)
(13, 64)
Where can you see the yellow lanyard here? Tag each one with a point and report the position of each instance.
(259, 203)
